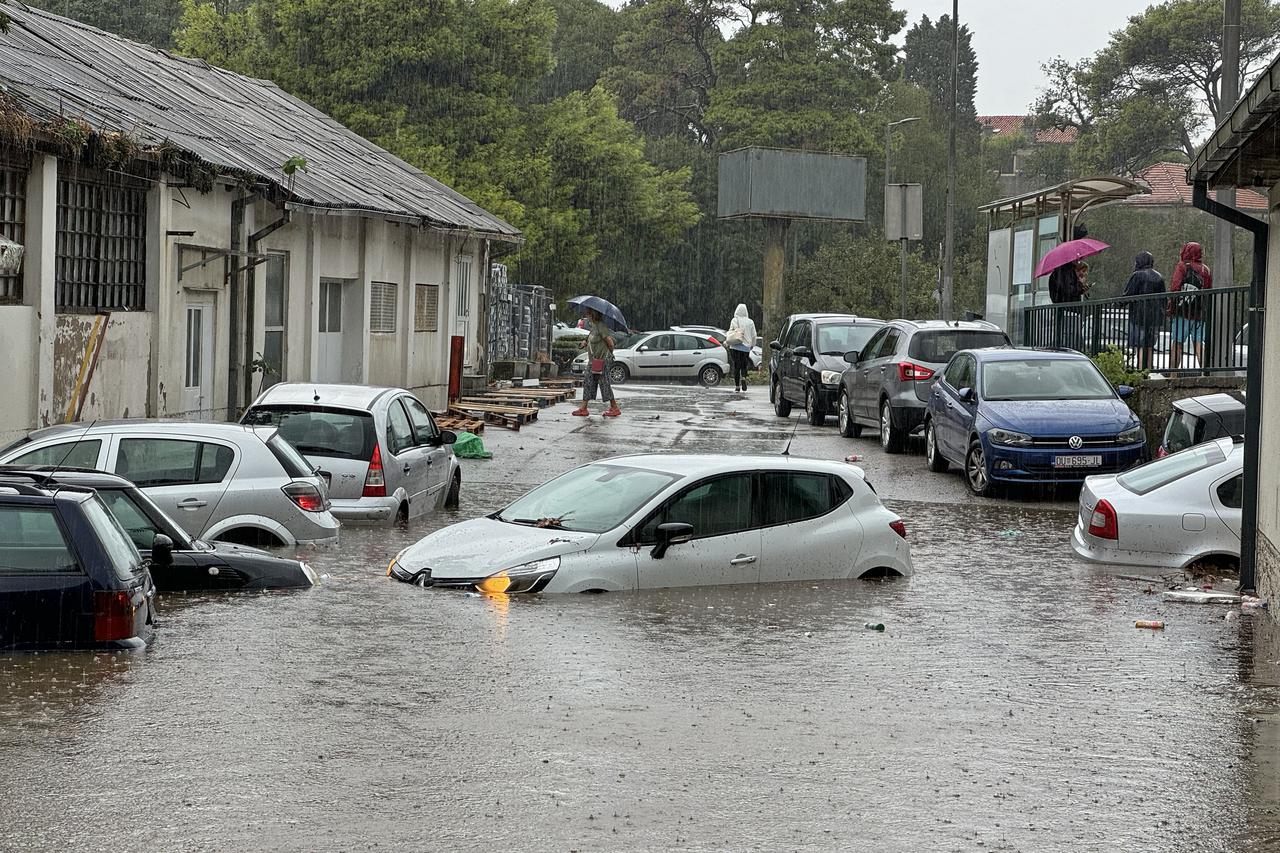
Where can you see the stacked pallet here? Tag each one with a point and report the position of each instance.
(512, 407)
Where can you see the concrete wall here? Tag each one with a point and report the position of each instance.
(18, 347)
(120, 378)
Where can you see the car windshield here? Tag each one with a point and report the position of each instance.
(1044, 379)
(319, 431)
(1162, 472)
(591, 499)
(840, 338)
(938, 347)
(135, 511)
(1181, 431)
(125, 558)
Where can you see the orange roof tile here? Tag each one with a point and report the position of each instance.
(1168, 183)
(1008, 125)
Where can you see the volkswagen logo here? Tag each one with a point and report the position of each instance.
(1075, 442)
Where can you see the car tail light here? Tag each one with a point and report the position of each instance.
(306, 496)
(899, 527)
(1103, 523)
(1161, 452)
(375, 484)
(908, 372)
(113, 615)
(714, 342)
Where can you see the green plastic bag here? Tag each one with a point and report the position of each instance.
(470, 446)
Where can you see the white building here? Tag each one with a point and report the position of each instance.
(171, 265)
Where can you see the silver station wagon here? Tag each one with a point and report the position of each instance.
(380, 449)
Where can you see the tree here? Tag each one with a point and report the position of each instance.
(149, 21)
(927, 61)
(582, 46)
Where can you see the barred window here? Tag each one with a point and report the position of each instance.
(382, 307)
(102, 245)
(426, 307)
(13, 217)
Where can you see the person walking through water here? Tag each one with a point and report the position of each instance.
(740, 338)
(1190, 276)
(599, 354)
(1144, 315)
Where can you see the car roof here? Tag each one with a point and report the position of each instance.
(1209, 404)
(1025, 354)
(704, 464)
(941, 325)
(324, 394)
(844, 319)
(159, 426)
(71, 476)
(22, 485)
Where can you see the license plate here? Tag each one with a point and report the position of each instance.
(1077, 461)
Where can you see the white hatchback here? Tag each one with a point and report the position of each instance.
(639, 522)
(1178, 510)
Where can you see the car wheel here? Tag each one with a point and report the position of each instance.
(618, 374)
(932, 456)
(710, 376)
(812, 408)
(849, 428)
(892, 438)
(781, 406)
(976, 474)
(455, 491)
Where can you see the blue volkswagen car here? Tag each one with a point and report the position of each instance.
(1012, 415)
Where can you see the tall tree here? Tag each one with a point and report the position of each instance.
(927, 60)
(150, 21)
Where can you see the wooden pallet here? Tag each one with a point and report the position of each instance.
(499, 401)
(541, 399)
(457, 423)
(511, 417)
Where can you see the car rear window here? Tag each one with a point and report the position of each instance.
(67, 454)
(31, 541)
(939, 346)
(289, 458)
(318, 430)
(1164, 471)
(1183, 430)
(125, 558)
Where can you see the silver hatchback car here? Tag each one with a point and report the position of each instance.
(381, 450)
(218, 481)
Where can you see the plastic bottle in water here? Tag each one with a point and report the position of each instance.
(1154, 624)
(873, 626)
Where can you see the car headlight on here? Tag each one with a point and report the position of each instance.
(530, 577)
(1009, 438)
(1132, 436)
(830, 377)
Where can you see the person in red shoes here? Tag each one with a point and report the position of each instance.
(599, 353)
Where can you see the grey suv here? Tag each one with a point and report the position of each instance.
(887, 384)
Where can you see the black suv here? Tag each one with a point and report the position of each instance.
(808, 359)
(886, 385)
(69, 575)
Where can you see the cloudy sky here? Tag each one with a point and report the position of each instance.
(1013, 39)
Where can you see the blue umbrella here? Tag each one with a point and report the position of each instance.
(613, 317)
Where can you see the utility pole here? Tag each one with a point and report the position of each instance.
(1221, 342)
(902, 209)
(949, 247)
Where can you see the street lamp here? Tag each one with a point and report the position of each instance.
(902, 208)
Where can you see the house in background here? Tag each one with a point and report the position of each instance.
(192, 235)
(1016, 175)
(1170, 191)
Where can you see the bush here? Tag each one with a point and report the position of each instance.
(1112, 364)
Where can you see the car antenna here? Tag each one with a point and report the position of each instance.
(65, 456)
(786, 451)
(315, 395)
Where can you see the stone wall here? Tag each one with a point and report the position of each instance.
(1154, 398)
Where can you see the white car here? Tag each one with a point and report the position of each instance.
(1170, 513)
(639, 522)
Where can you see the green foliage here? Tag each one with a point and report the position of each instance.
(149, 21)
(862, 275)
(927, 62)
(1111, 362)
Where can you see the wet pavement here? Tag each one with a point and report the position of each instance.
(1009, 705)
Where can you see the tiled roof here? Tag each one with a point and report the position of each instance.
(1012, 125)
(1168, 183)
(54, 69)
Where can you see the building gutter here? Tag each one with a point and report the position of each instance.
(1253, 382)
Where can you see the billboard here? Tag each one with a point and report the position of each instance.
(790, 184)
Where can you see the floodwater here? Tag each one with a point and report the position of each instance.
(1009, 705)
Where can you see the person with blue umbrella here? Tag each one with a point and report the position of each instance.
(601, 315)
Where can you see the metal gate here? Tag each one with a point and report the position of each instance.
(519, 319)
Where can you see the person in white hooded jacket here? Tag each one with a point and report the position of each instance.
(740, 338)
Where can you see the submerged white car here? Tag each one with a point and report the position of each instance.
(640, 522)
(1178, 510)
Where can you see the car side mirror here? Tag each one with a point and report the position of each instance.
(162, 551)
(644, 348)
(853, 356)
(671, 533)
(805, 352)
(1124, 391)
(776, 346)
(448, 436)
(967, 395)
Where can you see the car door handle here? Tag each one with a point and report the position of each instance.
(408, 468)
(666, 355)
(192, 503)
(742, 560)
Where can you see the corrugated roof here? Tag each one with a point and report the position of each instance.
(55, 67)
(1168, 183)
(1012, 125)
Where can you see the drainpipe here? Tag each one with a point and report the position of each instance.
(1253, 382)
(234, 367)
(250, 273)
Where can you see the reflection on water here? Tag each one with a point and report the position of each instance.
(1009, 705)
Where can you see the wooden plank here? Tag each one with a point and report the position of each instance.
(501, 402)
(524, 414)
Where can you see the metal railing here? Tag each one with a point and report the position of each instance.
(1200, 332)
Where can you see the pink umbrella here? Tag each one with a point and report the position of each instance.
(1069, 253)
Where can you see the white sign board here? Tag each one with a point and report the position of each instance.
(903, 212)
(1023, 254)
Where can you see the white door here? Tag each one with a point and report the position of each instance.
(197, 397)
(726, 543)
(329, 332)
(810, 530)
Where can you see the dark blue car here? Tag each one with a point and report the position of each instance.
(1012, 415)
(69, 575)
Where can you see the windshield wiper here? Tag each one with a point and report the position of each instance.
(549, 523)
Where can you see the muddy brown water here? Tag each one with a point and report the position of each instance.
(1009, 705)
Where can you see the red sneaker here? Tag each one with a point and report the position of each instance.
(582, 412)
(612, 412)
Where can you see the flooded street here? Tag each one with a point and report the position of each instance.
(1009, 705)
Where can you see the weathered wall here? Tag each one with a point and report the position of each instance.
(118, 385)
(1267, 575)
(18, 354)
(1153, 401)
